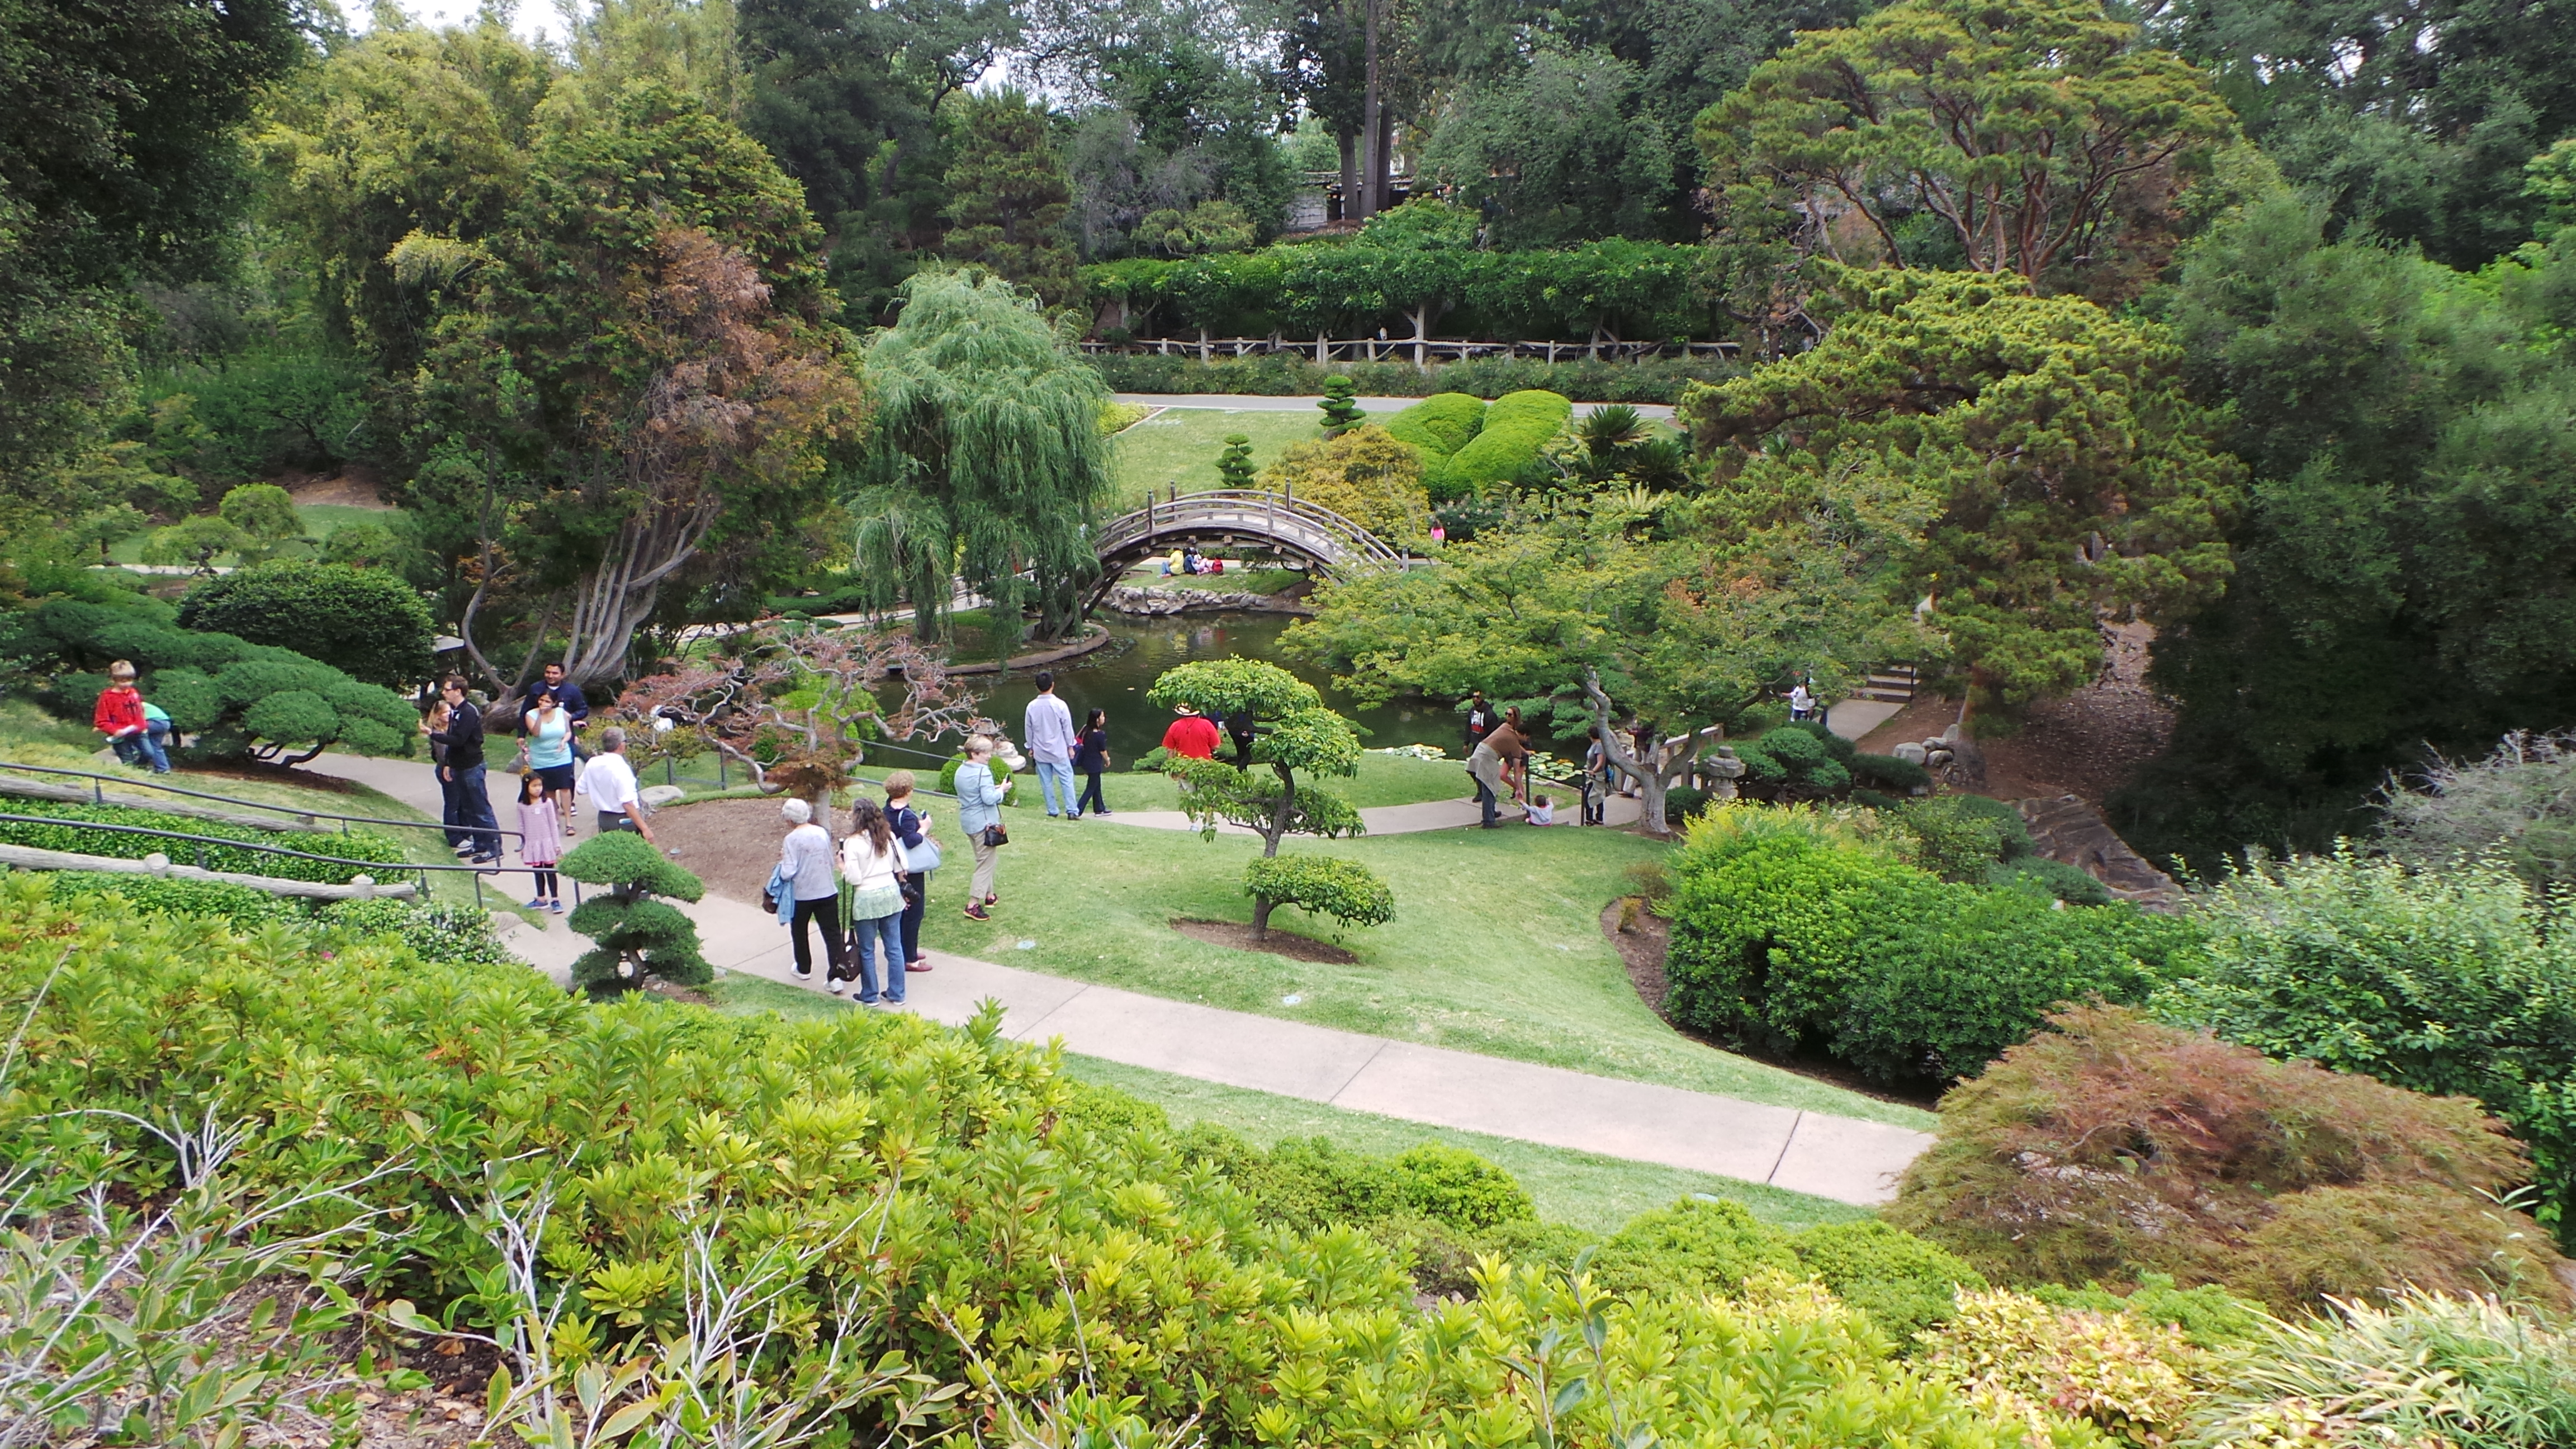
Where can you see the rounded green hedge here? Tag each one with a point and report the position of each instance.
(1517, 426)
(365, 622)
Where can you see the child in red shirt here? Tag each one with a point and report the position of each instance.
(119, 716)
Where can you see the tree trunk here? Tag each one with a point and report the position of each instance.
(1261, 918)
(1278, 827)
(1421, 334)
(1370, 104)
(1382, 162)
(1349, 146)
(1653, 771)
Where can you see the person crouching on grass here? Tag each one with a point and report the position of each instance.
(120, 717)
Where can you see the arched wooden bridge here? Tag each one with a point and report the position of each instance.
(1279, 521)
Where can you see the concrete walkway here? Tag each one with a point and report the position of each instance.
(1810, 1152)
(1380, 408)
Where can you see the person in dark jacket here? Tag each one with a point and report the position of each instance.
(463, 772)
(1481, 719)
(1239, 728)
(911, 827)
(1091, 756)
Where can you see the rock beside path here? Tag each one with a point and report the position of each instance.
(2068, 828)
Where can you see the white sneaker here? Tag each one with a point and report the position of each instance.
(839, 986)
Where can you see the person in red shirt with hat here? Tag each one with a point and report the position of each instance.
(1193, 734)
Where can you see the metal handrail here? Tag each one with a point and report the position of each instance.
(98, 795)
(390, 867)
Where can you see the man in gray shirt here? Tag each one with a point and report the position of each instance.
(1048, 728)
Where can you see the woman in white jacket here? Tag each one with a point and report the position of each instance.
(872, 863)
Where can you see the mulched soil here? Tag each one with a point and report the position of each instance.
(1642, 949)
(732, 845)
(1238, 935)
(2089, 744)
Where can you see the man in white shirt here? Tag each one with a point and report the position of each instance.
(610, 784)
(1048, 728)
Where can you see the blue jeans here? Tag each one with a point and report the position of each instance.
(143, 749)
(1054, 780)
(474, 811)
(885, 931)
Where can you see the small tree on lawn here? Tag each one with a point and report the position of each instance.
(795, 703)
(638, 936)
(1341, 413)
(1295, 732)
(1323, 885)
(1234, 466)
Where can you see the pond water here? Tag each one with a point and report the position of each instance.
(1116, 677)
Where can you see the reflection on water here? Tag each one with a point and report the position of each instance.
(1116, 677)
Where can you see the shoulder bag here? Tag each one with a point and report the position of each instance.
(995, 837)
(921, 859)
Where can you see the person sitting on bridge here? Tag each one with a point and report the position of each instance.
(1193, 734)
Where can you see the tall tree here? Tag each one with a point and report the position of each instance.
(2077, 480)
(1009, 194)
(2408, 561)
(1999, 136)
(633, 363)
(986, 461)
(117, 165)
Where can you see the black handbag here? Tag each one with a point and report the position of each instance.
(995, 837)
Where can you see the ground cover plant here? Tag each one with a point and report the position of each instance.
(2112, 1146)
(1027, 1246)
(123, 845)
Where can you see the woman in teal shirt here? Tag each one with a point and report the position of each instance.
(549, 736)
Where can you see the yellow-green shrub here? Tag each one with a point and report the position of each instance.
(2137, 1381)
(1364, 475)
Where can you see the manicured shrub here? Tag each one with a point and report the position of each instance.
(1889, 773)
(2458, 981)
(1442, 422)
(638, 936)
(1001, 772)
(1793, 930)
(1957, 841)
(370, 625)
(1364, 475)
(122, 845)
(1790, 763)
(2114, 1146)
(242, 906)
(1506, 450)
(1902, 1282)
(217, 687)
(1321, 885)
(1696, 1246)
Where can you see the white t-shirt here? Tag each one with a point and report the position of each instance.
(610, 784)
(1541, 814)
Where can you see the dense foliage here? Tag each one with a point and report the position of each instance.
(1320, 885)
(233, 696)
(1795, 931)
(1484, 377)
(2460, 982)
(123, 845)
(2112, 1146)
(1024, 1247)
(367, 623)
(1366, 475)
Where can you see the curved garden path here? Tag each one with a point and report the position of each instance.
(1811, 1152)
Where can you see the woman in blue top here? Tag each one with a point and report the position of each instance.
(549, 737)
(979, 808)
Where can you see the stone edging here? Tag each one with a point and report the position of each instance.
(1093, 637)
(1153, 602)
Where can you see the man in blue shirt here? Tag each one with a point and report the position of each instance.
(1048, 729)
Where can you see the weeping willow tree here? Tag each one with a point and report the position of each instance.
(986, 459)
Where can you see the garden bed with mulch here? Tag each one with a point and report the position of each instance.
(1238, 935)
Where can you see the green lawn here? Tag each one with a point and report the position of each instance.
(1180, 445)
(1382, 780)
(1496, 947)
(1580, 1188)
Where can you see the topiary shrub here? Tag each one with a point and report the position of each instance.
(1902, 1282)
(948, 772)
(1889, 773)
(2114, 1146)
(370, 625)
(1790, 763)
(1699, 1245)
(1794, 931)
(1322, 885)
(216, 687)
(638, 936)
(1507, 449)
(1437, 427)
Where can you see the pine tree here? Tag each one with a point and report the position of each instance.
(1341, 414)
(638, 936)
(1010, 195)
(1234, 465)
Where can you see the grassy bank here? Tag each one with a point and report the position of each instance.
(1180, 445)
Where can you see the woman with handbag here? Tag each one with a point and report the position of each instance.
(920, 857)
(979, 814)
(872, 863)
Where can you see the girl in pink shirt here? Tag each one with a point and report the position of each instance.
(540, 841)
